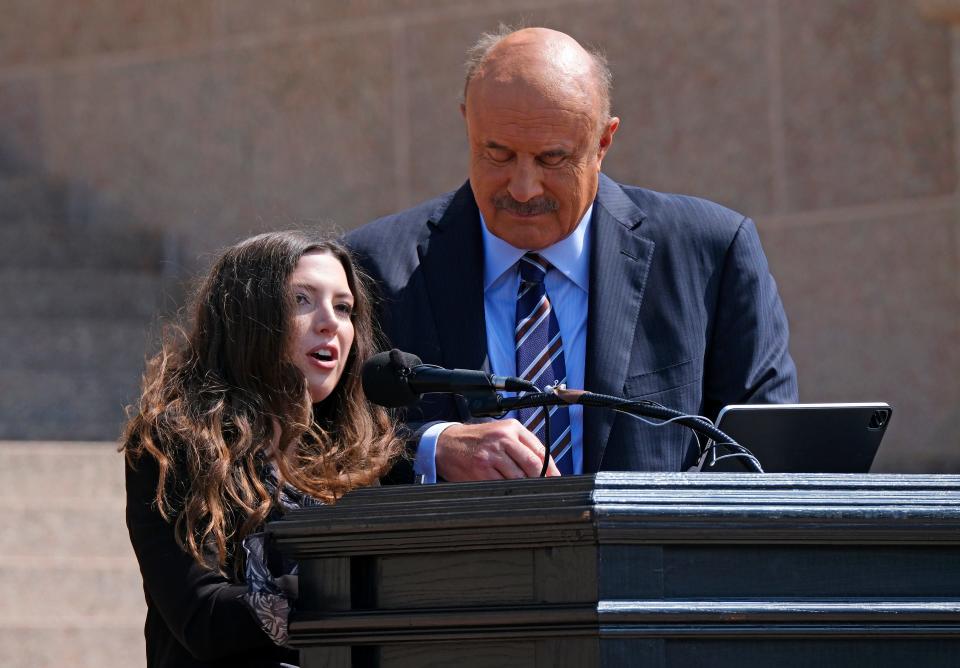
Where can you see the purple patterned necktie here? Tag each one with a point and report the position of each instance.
(540, 357)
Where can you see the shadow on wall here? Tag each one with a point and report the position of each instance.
(83, 284)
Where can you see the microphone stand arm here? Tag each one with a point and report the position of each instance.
(485, 404)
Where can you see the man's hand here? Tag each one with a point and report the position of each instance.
(490, 451)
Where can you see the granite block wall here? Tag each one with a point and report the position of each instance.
(832, 122)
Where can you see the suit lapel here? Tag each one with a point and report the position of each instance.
(619, 262)
(451, 258)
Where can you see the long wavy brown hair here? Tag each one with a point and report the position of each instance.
(222, 399)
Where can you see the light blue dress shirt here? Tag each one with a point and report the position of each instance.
(568, 287)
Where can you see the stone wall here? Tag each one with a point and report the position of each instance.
(833, 123)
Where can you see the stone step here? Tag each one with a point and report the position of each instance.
(75, 344)
(63, 405)
(68, 590)
(67, 470)
(48, 526)
(27, 200)
(95, 644)
(88, 293)
(81, 516)
(72, 594)
(58, 246)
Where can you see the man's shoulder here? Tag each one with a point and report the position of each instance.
(406, 225)
(685, 225)
(686, 212)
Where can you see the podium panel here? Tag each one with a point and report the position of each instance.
(633, 569)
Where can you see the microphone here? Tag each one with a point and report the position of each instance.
(394, 379)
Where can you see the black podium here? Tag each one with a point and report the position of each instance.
(633, 570)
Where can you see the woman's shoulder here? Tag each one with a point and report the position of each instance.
(144, 468)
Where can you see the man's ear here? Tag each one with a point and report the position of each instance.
(606, 137)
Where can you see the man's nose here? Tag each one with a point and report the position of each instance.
(525, 181)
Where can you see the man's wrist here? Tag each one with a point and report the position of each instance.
(425, 462)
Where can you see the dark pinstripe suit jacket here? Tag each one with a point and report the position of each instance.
(682, 310)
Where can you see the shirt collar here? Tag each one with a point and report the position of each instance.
(569, 255)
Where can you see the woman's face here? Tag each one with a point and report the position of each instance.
(322, 327)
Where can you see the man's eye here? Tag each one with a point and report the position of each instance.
(499, 154)
(552, 159)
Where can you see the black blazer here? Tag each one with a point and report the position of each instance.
(682, 310)
(195, 617)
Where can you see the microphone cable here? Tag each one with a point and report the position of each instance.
(638, 408)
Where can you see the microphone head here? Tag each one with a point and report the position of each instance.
(384, 378)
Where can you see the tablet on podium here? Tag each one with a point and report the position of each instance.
(802, 438)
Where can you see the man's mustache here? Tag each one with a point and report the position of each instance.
(532, 207)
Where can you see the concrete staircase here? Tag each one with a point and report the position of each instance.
(72, 594)
(77, 303)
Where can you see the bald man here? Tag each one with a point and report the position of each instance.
(541, 266)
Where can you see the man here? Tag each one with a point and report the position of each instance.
(627, 292)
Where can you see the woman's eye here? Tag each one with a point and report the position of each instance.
(301, 299)
(346, 309)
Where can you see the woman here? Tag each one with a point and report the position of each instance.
(257, 409)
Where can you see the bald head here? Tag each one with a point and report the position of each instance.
(546, 61)
(538, 124)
